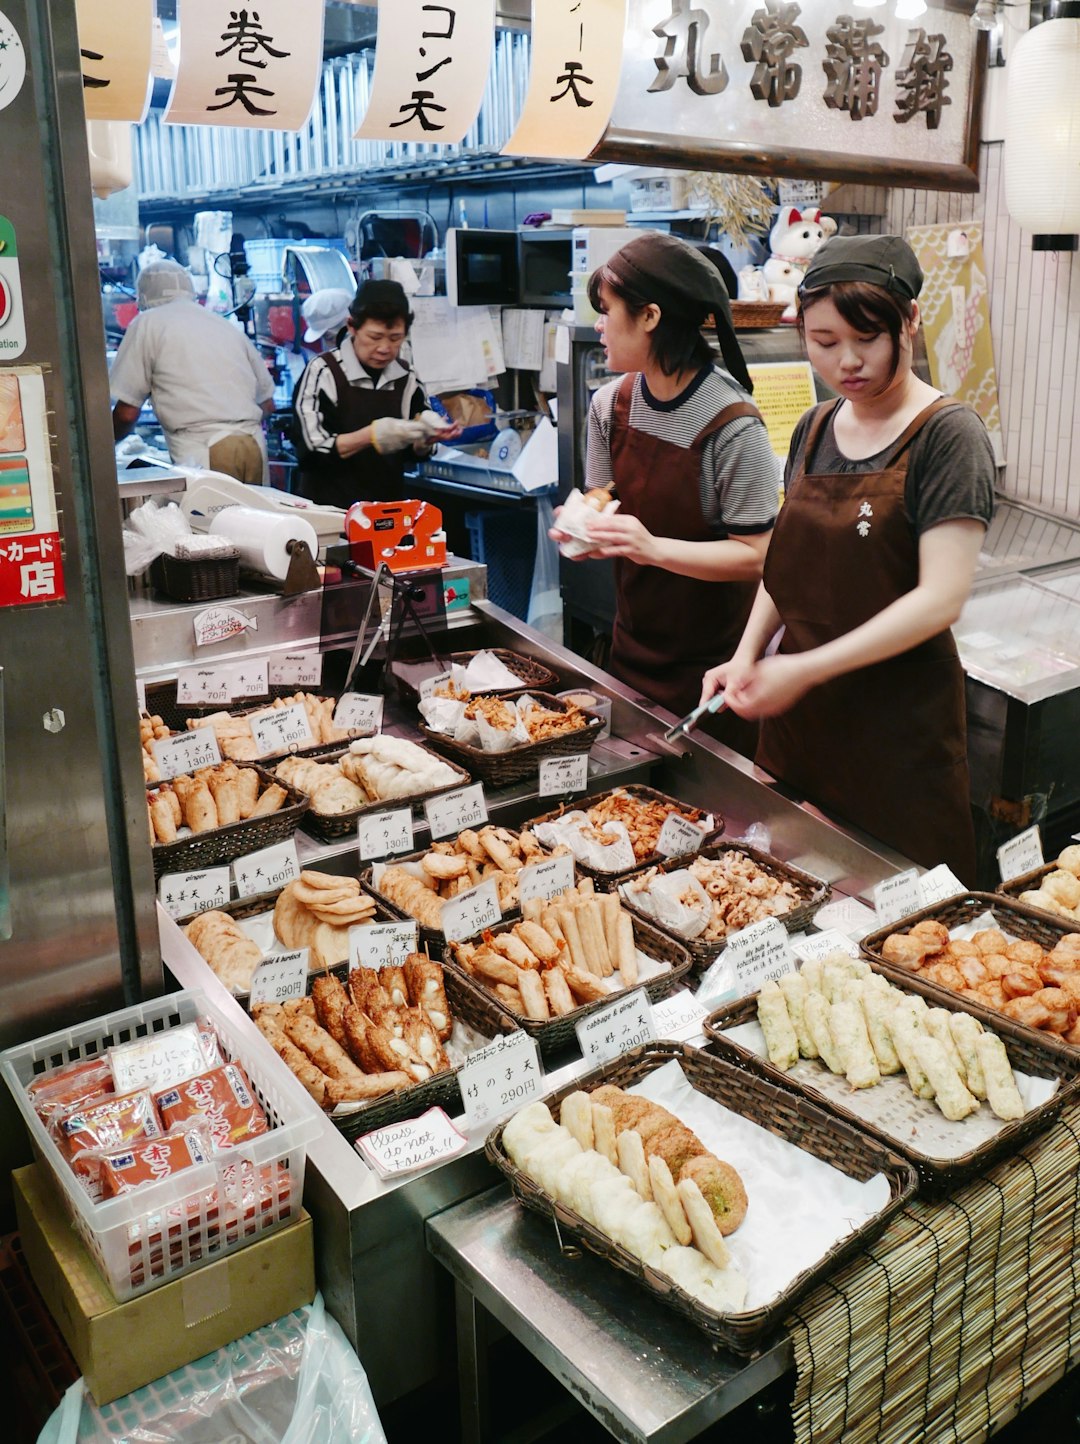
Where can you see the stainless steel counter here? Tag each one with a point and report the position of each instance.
(388, 1293)
(645, 1373)
(163, 632)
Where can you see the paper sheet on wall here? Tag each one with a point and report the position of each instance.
(254, 68)
(431, 67)
(577, 48)
(956, 321)
(447, 348)
(115, 40)
(548, 371)
(783, 391)
(523, 339)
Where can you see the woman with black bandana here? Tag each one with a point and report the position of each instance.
(889, 492)
(689, 458)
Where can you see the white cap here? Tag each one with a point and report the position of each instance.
(161, 282)
(325, 311)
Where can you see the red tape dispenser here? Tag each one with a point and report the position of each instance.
(406, 535)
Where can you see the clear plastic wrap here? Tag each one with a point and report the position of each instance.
(295, 1381)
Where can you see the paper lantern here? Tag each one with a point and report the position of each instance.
(1042, 131)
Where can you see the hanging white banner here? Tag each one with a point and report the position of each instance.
(115, 42)
(431, 67)
(577, 48)
(257, 67)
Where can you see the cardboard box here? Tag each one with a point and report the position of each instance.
(121, 1347)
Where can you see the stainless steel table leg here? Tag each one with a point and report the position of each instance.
(472, 1345)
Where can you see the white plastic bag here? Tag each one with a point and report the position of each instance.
(296, 1381)
(545, 599)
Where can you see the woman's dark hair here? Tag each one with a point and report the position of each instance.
(676, 344)
(866, 308)
(383, 312)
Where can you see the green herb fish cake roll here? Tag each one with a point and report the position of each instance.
(794, 988)
(966, 1032)
(780, 1038)
(848, 1028)
(1001, 1091)
(817, 1020)
(951, 1094)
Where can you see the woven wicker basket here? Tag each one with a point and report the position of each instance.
(1029, 881)
(556, 1033)
(777, 1110)
(431, 939)
(811, 890)
(223, 844)
(754, 315)
(1012, 917)
(500, 769)
(608, 880)
(1027, 1054)
(532, 674)
(196, 579)
(468, 1005)
(343, 824)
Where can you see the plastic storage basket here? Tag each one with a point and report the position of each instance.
(505, 542)
(163, 1230)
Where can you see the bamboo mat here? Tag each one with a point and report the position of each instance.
(961, 1314)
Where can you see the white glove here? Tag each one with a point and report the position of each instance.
(390, 433)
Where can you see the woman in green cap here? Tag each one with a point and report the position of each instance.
(687, 453)
(889, 490)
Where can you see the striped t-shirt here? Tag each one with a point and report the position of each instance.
(739, 473)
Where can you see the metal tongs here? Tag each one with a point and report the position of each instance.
(713, 705)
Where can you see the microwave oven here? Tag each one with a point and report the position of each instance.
(544, 259)
(594, 246)
(481, 267)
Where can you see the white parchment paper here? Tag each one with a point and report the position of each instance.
(799, 1207)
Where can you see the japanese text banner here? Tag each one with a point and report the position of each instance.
(115, 39)
(431, 67)
(257, 67)
(577, 49)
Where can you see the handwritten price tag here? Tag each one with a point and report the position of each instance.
(359, 713)
(678, 836)
(465, 915)
(757, 953)
(296, 669)
(500, 1078)
(614, 1029)
(1022, 853)
(183, 894)
(280, 977)
(186, 752)
(820, 945)
(282, 730)
(416, 1143)
(204, 685)
(263, 871)
(250, 679)
(428, 685)
(564, 774)
(385, 834)
(381, 945)
(678, 1017)
(849, 915)
(546, 879)
(938, 884)
(453, 811)
(896, 897)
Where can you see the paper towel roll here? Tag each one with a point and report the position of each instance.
(262, 537)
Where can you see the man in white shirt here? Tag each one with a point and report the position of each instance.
(210, 388)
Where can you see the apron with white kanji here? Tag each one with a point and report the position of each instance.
(884, 747)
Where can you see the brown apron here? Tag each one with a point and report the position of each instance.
(884, 747)
(670, 629)
(369, 476)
